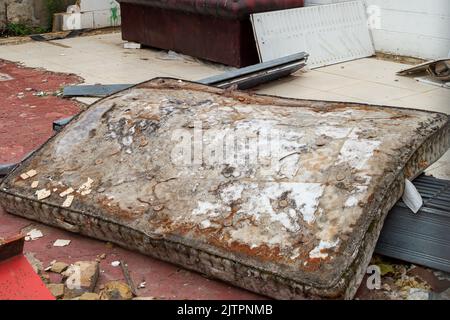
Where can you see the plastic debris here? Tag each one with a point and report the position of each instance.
(131, 45)
(68, 202)
(115, 263)
(411, 197)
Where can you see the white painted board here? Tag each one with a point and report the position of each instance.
(329, 33)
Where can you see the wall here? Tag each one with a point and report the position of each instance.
(416, 28)
(31, 12)
(91, 14)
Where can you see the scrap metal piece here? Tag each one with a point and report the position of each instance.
(96, 90)
(422, 238)
(60, 123)
(260, 73)
(297, 221)
(5, 168)
(129, 280)
(439, 69)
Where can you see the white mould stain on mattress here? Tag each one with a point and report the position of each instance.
(208, 208)
(357, 151)
(317, 251)
(355, 196)
(232, 192)
(205, 224)
(334, 132)
(283, 203)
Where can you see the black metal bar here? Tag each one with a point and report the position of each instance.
(252, 76)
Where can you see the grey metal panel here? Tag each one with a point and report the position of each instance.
(95, 90)
(259, 73)
(422, 238)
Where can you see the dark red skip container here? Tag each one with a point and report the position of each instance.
(215, 30)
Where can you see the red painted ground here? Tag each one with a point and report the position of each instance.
(163, 280)
(25, 118)
(18, 281)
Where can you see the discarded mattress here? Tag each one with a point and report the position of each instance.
(283, 197)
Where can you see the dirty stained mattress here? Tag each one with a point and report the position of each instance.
(279, 196)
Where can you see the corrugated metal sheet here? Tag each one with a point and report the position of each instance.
(329, 33)
(422, 238)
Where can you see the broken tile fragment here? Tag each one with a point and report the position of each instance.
(86, 192)
(58, 267)
(33, 235)
(32, 173)
(87, 185)
(28, 174)
(61, 243)
(115, 263)
(68, 202)
(82, 276)
(89, 296)
(116, 290)
(57, 289)
(66, 192)
(34, 184)
(42, 194)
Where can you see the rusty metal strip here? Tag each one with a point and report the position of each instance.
(11, 247)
